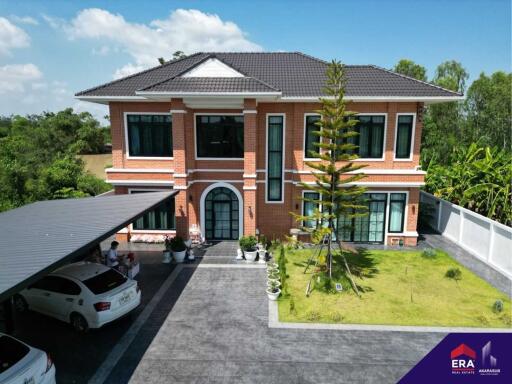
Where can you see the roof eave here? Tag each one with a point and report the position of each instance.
(108, 99)
(363, 99)
(168, 95)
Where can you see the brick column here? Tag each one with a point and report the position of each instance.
(250, 145)
(178, 112)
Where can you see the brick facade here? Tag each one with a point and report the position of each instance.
(192, 176)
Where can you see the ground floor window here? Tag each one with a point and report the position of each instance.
(308, 208)
(161, 218)
(365, 229)
(396, 212)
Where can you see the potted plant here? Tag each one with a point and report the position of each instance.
(248, 247)
(179, 249)
(273, 276)
(167, 250)
(273, 290)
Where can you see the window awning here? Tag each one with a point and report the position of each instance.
(38, 238)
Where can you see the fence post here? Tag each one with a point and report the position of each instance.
(491, 245)
(461, 226)
(439, 214)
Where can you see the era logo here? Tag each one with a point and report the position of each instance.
(463, 364)
(463, 360)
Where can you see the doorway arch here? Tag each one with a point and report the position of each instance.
(221, 211)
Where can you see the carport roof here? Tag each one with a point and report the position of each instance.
(40, 237)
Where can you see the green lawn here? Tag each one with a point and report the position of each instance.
(401, 288)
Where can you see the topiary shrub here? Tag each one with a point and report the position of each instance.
(454, 273)
(248, 243)
(497, 307)
(429, 253)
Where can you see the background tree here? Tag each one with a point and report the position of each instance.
(410, 68)
(175, 56)
(339, 196)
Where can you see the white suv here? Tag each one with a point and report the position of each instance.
(87, 295)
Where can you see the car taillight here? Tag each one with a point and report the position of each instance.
(49, 363)
(102, 306)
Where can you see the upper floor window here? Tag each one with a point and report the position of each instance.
(371, 136)
(275, 144)
(220, 137)
(149, 135)
(309, 137)
(404, 133)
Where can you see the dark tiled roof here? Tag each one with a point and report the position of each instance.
(293, 73)
(211, 84)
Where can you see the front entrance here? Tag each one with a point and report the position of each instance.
(221, 214)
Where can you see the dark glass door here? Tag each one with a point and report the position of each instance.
(221, 215)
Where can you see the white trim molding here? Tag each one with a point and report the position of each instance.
(154, 183)
(202, 206)
(283, 157)
(413, 135)
(249, 176)
(139, 170)
(249, 111)
(172, 111)
(250, 188)
(181, 175)
(385, 184)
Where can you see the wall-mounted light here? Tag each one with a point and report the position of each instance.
(190, 198)
(297, 207)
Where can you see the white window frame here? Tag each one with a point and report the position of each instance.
(195, 138)
(304, 191)
(413, 135)
(168, 231)
(283, 115)
(388, 209)
(384, 141)
(127, 143)
(304, 137)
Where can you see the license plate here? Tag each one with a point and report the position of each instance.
(125, 299)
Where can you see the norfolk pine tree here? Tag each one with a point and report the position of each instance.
(334, 184)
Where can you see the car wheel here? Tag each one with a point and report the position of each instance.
(20, 304)
(79, 323)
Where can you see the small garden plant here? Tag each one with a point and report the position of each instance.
(177, 244)
(248, 243)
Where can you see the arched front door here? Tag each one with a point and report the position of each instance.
(221, 209)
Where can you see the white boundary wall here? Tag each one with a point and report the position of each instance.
(487, 239)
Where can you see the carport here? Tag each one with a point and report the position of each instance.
(40, 237)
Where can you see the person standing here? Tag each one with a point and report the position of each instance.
(112, 259)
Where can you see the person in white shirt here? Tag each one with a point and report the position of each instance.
(112, 257)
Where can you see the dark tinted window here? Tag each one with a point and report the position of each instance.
(11, 351)
(220, 136)
(371, 136)
(162, 217)
(310, 137)
(275, 158)
(105, 281)
(57, 284)
(404, 136)
(150, 135)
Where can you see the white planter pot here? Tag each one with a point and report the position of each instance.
(167, 257)
(250, 255)
(273, 295)
(274, 279)
(179, 256)
(276, 282)
(261, 255)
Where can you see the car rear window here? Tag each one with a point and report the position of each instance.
(105, 282)
(11, 351)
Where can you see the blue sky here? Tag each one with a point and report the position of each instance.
(51, 49)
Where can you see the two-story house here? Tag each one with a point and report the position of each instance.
(232, 132)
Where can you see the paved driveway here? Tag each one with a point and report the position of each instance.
(217, 332)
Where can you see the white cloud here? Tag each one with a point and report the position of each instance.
(14, 77)
(185, 30)
(24, 20)
(11, 37)
(101, 51)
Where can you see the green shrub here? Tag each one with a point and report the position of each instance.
(336, 317)
(429, 253)
(248, 243)
(324, 283)
(177, 244)
(498, 306)
(454, 273)
(282, 270)
(313, 315)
